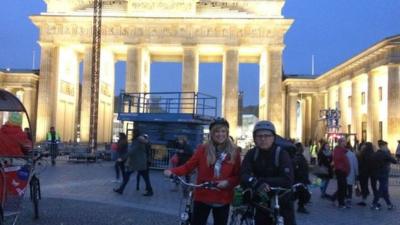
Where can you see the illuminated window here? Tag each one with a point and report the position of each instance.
(380, 93)
(363, 98)
(349, 101)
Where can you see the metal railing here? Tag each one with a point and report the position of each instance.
(168, 102)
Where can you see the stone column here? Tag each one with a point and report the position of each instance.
(317, 125)
(308, 118)
(106, 96)
(230, 86)
(85, 98)
(343, 109)
(355, 108)
(393, 117)
(29, 102)
(137, 69)
(293, 115)
(47, 93)
(190, 78)
(372, 123)
(271, 97)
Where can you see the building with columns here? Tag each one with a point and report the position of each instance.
(24, 85)
(141, 32)
(365, 88)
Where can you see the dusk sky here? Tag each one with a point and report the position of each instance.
(332, 30)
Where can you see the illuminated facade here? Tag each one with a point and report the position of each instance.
(366, 89)
(140, 32)
(24, 85)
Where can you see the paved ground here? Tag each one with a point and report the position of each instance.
(82, 194)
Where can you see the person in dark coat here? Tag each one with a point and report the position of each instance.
(382, 160)
(260, 171)
(301, 171)
(135, 160)
(325, 160)
(365, 169)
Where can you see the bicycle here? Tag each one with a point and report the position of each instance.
(185, 216)
(244, 214)
(14, 169)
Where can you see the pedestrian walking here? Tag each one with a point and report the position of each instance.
(135, 160)
(398, 151)
(325, 161)
(341, 168)
(365, 168)
(353, 173)
(382, 159)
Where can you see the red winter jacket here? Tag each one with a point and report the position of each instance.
(340, 160)
(229, 171)
(13, 141)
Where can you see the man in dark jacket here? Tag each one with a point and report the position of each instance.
(301, 171)
(268, 165)
(382, 160)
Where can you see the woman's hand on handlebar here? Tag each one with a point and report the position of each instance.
(168, 173)
(222, 184)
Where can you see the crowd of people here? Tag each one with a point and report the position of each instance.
(272, 162)
(360, 169)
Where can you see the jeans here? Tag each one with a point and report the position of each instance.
(341, 186)
(146, 177)
(383, 191)
(324, 185)
(125, 180)
(119, 169)
(364, 185)
(202, 210)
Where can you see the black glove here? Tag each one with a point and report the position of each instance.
(262, 187)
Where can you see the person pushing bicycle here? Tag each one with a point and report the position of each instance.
(217, 161)
(268, 165)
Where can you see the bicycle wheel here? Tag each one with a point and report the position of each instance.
(240, 218)
(35, 195)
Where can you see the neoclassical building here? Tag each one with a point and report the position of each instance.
(24, 84)
(140, 32)
(365, 88)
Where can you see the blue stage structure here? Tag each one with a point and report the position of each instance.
(164, 116)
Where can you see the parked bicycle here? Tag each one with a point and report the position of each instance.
(185, 214)
(243, 214)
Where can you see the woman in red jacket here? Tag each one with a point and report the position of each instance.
(218, 161)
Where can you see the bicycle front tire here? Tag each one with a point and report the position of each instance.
(35, 195)
(240, 219)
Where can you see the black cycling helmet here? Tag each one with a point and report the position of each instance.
(218, 121)
(264, 125)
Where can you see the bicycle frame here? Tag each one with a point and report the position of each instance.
(186, 215)
(273, 210)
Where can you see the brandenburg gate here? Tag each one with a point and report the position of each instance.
(143, 31)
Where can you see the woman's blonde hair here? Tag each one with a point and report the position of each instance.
(228, 146)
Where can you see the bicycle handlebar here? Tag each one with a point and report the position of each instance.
(205, 185)
(294, 186)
